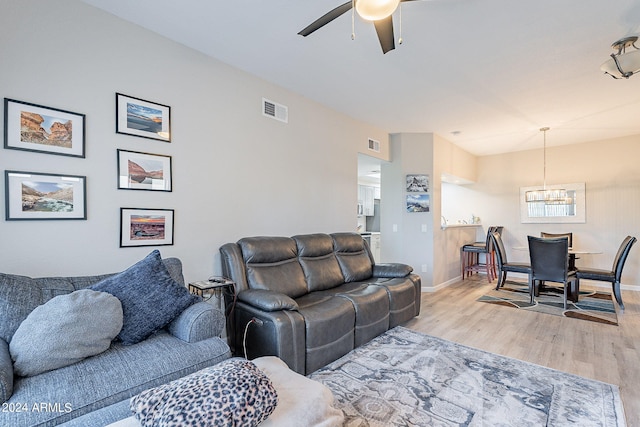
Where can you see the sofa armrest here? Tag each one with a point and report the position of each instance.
(198, 322)
(267, 300)
(6, 372)
(391, 270)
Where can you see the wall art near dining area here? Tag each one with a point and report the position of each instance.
(417, 183)
(143, 171)
(40, 196)
(41, 129)
(417, 203)
(146, 227)
(142, 118)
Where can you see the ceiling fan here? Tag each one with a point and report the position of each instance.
(378, 11)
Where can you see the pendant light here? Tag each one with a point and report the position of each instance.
(557, 196)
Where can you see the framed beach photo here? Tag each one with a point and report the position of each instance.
(143, 171)
(40, 196)
(146, 227)
(142, 118)
(33, 127)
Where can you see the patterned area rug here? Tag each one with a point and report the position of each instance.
(595, 306)
(405, 378)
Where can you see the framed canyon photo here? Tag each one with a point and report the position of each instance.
(143, 171)
(142, 118)
(33, 127)
(146, 227)
(40, 196)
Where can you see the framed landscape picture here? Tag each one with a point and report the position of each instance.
(142, 118)
(143, 171)
(417, 203)
(146, 227)
(32, 127)
(39, 196)
(417, 183)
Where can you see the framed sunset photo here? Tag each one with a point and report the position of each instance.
(146, 227)
(142, 118)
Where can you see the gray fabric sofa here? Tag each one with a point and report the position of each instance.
(96, 390)
(310, 299)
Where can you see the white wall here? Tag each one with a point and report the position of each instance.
(236, 173)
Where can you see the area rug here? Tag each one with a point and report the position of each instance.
(405, 378)
(595, 306)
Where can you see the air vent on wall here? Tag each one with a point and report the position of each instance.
(275, 110)
(374, 145)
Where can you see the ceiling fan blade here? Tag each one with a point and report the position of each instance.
(384, 28)
(326, 18)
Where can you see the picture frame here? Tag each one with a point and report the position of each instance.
(146, 119)
(417, 183)
(41, 129)
(146, 227)
(44, 196)
(418, 203)
(144, 171)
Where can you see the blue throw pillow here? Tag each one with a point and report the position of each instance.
(150, 297)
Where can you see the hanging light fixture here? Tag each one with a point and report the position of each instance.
(623, 64)
(557, 196)
(374, 10)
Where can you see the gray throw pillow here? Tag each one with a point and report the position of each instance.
(150, 297)
(65, 330)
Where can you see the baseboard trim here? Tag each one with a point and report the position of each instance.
(593, 284)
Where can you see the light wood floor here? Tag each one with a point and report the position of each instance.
(602, 352)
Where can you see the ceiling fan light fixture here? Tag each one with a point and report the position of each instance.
(623, 64)
(374, 10)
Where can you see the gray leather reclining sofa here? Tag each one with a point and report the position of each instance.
(315, 297)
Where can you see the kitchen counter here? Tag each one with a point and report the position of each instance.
(444, 227)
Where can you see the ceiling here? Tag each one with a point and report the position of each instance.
(484, 74)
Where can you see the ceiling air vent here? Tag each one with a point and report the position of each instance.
(275, 110)
(374, 145)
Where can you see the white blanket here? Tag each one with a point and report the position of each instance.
(301, 402)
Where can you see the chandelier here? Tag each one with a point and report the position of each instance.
(556, 196)
(623, 64)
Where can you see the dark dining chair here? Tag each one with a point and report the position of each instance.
(550, 263)
(469, 258)
(615, 274)
(572, 257)
(505, 266)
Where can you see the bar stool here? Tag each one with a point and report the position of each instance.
(470, 260)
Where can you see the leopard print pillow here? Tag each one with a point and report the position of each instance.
(234, 393)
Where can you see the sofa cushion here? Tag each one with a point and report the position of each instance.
(6, 372)
(320, 266)
(272, 264)
(100, 382)
(353, 257)
(19, 295)
(150, 297)
(65, 330)
(233, 392)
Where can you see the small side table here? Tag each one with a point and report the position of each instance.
(224, 290)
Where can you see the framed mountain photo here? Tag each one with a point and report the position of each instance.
(40, 196)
